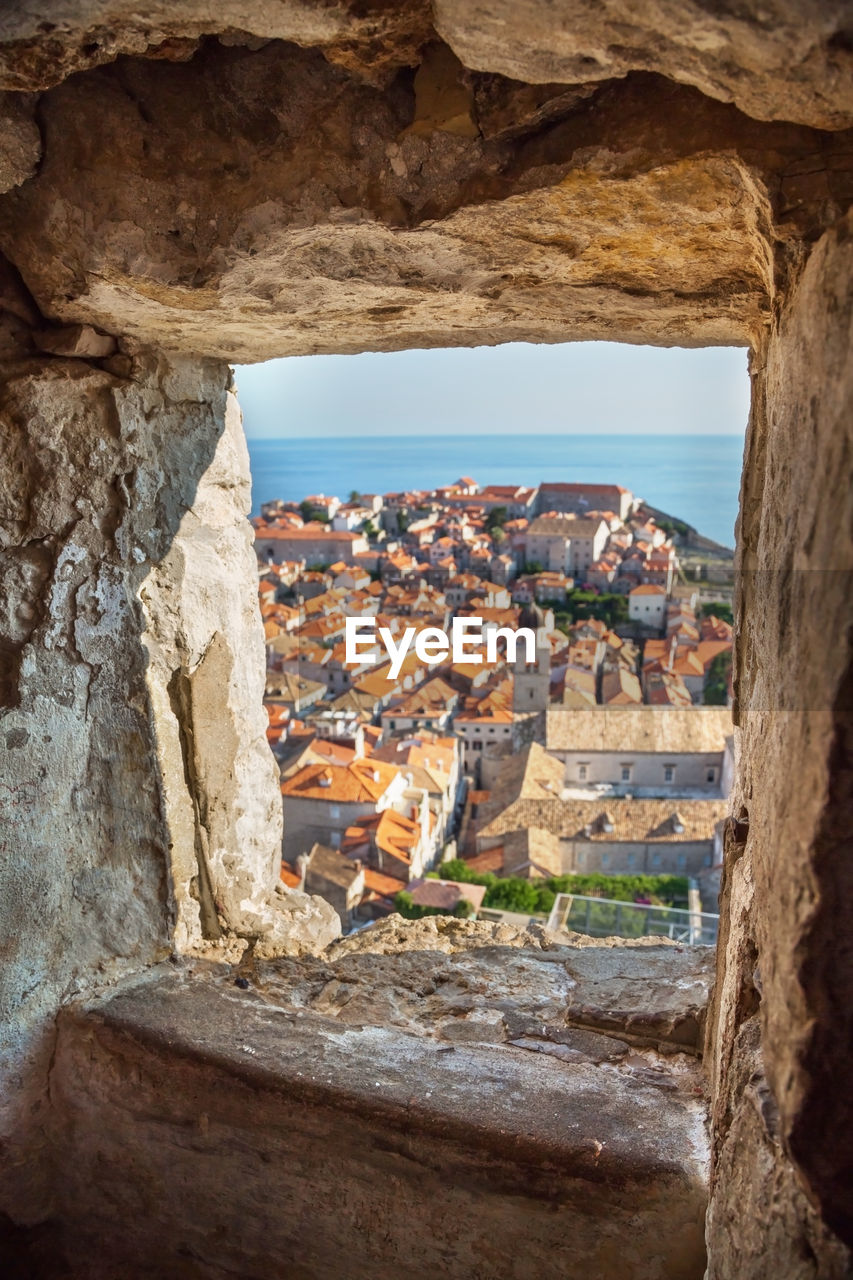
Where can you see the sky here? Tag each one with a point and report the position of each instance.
(581, 387)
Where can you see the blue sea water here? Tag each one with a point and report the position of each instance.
(693, 477)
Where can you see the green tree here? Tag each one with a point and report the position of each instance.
(496, 518)
(718, 609)
(513, 894)
(534, 566)
(369, 529)
(309, 512)
(717, 680)
(609, 607)
(354, 496)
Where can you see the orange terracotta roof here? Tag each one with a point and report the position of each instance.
(391, 832)
(489, 860)
(360, 782)
(289, 876)
(385, 886)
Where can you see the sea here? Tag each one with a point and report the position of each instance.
(695, 478)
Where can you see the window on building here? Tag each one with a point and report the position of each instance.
(711, 775)
(626, 773)
(582, 772)
(334, 811)
(668, 772)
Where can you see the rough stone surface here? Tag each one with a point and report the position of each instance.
(257, 204)
(76, 340)
(783, 60)
(125, 570)
(38, 48)
(778, 59)
(786, 979)
(370, 1094)
(442, 973)
(20, 140)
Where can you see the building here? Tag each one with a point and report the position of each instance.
(613, 835)
(647, 604)
(293, 691)
(644, 750)
(429, 707)
(485, 724)
(580, 498)
(338, 879)
(433, 763)
(402, 845)
(566, 544)
(446, 895)
(322, 800)
(313, 543)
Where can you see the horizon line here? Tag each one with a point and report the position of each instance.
(391, 435)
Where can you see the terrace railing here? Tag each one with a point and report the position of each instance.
(600, 917)
(607, 917)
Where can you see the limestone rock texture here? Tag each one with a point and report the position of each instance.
(786, 60)
(785, 990)
(776, 59)
(139, 804)
(266, 203)
(424, 1100)
(186, 185)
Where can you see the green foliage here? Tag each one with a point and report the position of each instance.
(496, 518)
(717, 682)
(354, 496)
(718, 609)
(532, 897)
(410, 910)
(534, 566)
(609, 608)
(369, 529)
(402, 521)
(674, 526)
(310, 512)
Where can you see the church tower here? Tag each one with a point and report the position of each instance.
(531, 686)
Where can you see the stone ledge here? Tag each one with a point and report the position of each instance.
(215, 1130)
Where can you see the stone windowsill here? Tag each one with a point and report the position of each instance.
(430, 1098)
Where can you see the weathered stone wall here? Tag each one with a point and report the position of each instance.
(264, 179)
(780, 1045)
(139, 804)
(437, 1097)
